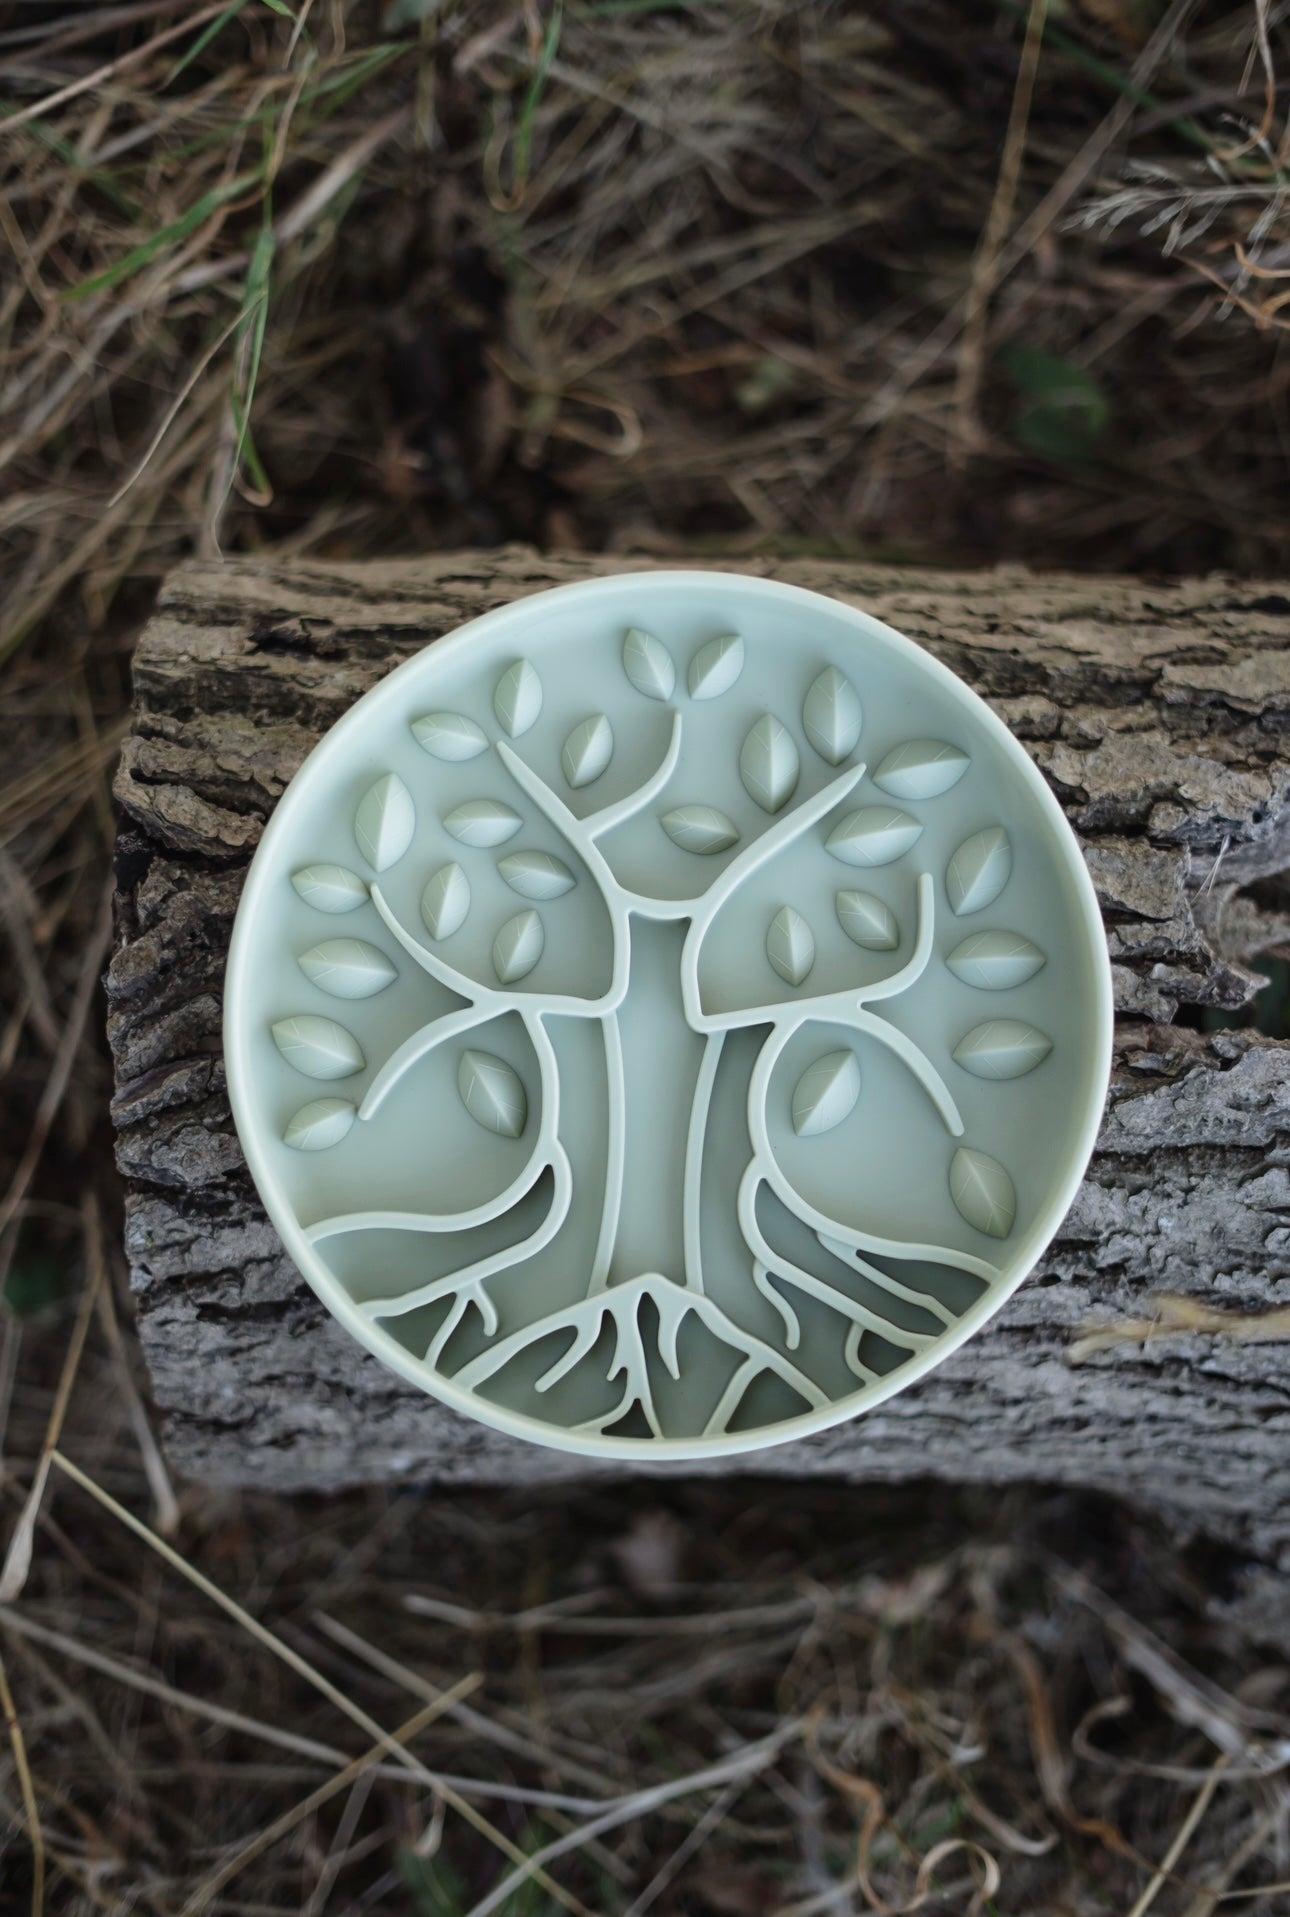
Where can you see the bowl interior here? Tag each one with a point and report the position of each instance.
(669, 1014)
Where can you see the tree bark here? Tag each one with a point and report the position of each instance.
(1160, 715)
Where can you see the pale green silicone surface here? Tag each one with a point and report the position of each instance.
(667, 1016)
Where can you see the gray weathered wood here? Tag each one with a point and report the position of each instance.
(1161, 716)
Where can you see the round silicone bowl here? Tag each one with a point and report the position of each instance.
(667, 1016)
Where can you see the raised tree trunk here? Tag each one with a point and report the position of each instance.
(1160, 716)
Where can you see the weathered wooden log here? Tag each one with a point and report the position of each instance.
(1160, 715)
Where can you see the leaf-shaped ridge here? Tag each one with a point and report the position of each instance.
(790, 945)
(868, 921)
(648, 664)
(768, 763)
(384, 822)
(979, 870)
(832, 715)
(715, 666)
(445, 901)
(517, 698)
(874, 835)
(588, 750)
(518, 947)
(921, 769)
(347, 968)
(493, 1093)
(450, 736)
(982, 1191)
(826, 1093)
(330, 888)
(482, 822)
(995, 961)
(318, 1047)
(700, 828)
(319, 1125)
(536, 875)
(1002, 1048)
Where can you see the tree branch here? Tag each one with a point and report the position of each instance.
(916, 964)
(915, 1060)
(596, 824)
(574, 831)
(831, 1233)
(765, 1254)
(842, 1007)
(434, 1033)
(846, 1009)
(467, 1296)
(545, 1149)
(472, 1277)
(500, 1000)
(700, 1105)
(852, 1256)
(705, 908)
(439, 969)
(615, 1141)
(673, 1303)
(823, 1226)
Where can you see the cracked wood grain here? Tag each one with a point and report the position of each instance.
(1160, 715)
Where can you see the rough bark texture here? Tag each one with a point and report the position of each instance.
(1161, 716)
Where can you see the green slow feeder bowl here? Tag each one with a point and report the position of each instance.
(667, 1016)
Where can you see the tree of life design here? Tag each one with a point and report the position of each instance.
(829, 1308)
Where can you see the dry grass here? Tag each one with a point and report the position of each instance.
(641, 274)
(692, 1701)
(933, 277)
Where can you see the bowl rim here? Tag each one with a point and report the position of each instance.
(1094, 1081)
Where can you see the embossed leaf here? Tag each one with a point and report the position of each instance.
(716, 665)
(875, 835)
(868, 921)
(1002, 1048)
(995, 961)
(318, 1047)
(482, 822)
(979, 870)
(825, 1094)
(330, 888)
(385, 822)
(768, 764)
(536, 875)
(648, 664)
(446, 901)
(921, 769)
(492, 1093)
(831, 716)
(588, 750)
(700, 828)
(790, 945)
(518, 947)
(347, 968)
(517, 699)
(317, 1126)
(449, 735)
(982, 1190)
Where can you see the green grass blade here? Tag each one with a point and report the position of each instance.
(217, 26)
(536, 88)
(1112, 77)
(204, 38)
(255, 319)
(139, 256)
(246, 450)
